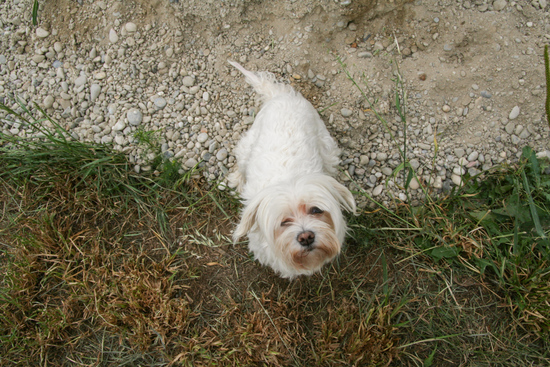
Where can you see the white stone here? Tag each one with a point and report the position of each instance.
(95, 89)
(377, 190)
(457, 180)
(134, 116)
(80, 81)
(119, 126)
(190, 163)
(346, 112)
(113, 37)
(514, 113)
(188, 81)
(48, 102)
(42, 33)
(498, 5)
(202, 137)
(130, 27)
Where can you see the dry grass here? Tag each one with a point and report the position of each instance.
(92, 279)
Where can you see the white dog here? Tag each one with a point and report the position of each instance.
(292, 206)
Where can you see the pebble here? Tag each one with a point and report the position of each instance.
(364, 54)
(134, 117)
(346, 112)
(446, 108)
(48, 102)
(190, 163)
(80, 81)
(498, 5)
(42, 33)
(159, 102)
(202, 137)
(95, 89)
(222, 154)
(119, 126)
(514, 113)
(457, 180)
(130, 27)
(486, 94)
(188, 81)
(377, 190)
(113, 37)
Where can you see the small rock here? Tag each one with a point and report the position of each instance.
(459, 152)
(510, 128)
(130, 27)
(514, 113)
(381, 157)
(346, 112)
(524, 134)
(159, 102)
(188, 81)
(377, 190)
(457, 180)
(42, 33)
(113, 37)
(48, 102)
(387, 171)
(498, 5)
(364, 54)
(95, 89)
(38, 58)
(119, 126)
(190, 163)
(202, 137)
(446, 108)
(80, 81)
(134, 116)
(473, 156)
(486, 94)
(413, 185)
(222, 154)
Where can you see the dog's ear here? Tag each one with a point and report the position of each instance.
(344, 196)
(248, 219)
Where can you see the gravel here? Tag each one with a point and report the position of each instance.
(107, 81)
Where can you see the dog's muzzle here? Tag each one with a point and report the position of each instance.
(306, 238)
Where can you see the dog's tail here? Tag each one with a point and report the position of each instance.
(264, 83)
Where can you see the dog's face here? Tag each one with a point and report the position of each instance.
(301, 222)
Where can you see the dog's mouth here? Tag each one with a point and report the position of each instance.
(313, 256)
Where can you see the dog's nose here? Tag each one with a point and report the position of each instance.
(306, 238)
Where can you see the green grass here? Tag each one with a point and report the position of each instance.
(101, 266)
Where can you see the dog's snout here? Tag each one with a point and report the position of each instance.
(306, 238)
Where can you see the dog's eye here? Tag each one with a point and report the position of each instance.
(286, 222)
(315, 210)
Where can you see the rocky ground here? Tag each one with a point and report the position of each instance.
(473, 73)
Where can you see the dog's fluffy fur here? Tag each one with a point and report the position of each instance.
(292, 206)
